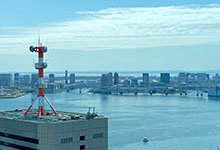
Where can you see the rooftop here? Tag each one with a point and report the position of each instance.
(49, 116)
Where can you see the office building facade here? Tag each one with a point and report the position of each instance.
(25, 79)
(51, 78)
(34, 80)
(116, 78)
(72, 78)
(145, 78)
(16, 78)
(106, 80)
(6, 80)
(68, 131)
(165, 78)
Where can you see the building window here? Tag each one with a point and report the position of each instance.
(82, 137)
(12, 145)
(97, 135)
(82, 147)
(66, 140)
(21, 138)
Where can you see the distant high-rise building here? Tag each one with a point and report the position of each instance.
(145, 78)
(34, 80)
(127, 82)
(200, 77)
(51, 78)
(165, 78)
(216, 77)
(66, 77)
(25, 79)
(207, 76)
(116, 78)
(134, 82)
(193, 77)
(16, 78)
(72, 78)
(106, 80)
(5, 80)
(183, 77)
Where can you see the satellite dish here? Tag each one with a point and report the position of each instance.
(44, 49)
(31, 48)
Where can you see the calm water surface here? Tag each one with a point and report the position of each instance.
(170, 122)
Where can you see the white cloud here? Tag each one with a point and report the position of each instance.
(122, 28)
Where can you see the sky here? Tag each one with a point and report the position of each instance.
(111, 35)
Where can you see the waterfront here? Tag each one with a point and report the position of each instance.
(170, 122)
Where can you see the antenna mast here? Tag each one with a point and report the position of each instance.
(40, 66)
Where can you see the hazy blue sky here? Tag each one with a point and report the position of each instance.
(111, 35)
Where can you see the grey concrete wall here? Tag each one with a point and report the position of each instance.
(50, 134)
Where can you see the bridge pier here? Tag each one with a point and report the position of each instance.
(183, 92)
(199, 94)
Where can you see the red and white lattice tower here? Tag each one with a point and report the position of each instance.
(41, 65)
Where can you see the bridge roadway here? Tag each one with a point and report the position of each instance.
(136, 90)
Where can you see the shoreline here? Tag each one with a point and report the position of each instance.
(13, 96)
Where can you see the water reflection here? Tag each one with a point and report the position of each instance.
(214, 98)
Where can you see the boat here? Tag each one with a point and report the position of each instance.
(145, 139)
